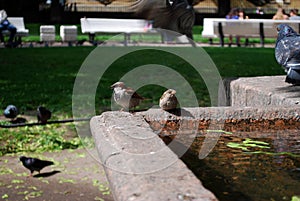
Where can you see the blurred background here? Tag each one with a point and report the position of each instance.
(70, 11)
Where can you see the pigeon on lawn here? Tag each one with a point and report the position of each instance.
(168, 100)
(34, 164)
(43, 115)
(125, 96)
(11, 112)
(175, 15)
(287, 52)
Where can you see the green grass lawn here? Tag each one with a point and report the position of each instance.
(45, 76)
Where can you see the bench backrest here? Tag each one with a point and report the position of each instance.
(270, 27)
(250, 28)
(238, 27)
(94, 25)
(18, 22)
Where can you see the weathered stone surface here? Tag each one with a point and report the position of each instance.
(139, 166)
(263, 91)
(223, 113)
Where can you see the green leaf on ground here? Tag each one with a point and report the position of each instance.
(17, 181)
(5, 170)
(66, 181)
(5, 196)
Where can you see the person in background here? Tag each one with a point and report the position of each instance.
(233, 15)
(259, 11)
(280, 15)
(294, 15)
(6, 25)
(242, 16)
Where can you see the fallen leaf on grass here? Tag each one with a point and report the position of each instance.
(24, 174)
(33, 194)
(23, 192)
(18, 187)
(32, 187)
(16, 181)
(98, 199)
(81, 155)
(67, 181)
(4, 196)
(5, 170)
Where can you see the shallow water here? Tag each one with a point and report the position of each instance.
(249, 165)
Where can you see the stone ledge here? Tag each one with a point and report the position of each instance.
(137, 163)
(260, 91)
(225, 113)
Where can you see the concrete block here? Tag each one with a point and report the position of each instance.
(47, 37)
(47, 33)
(68, 33)
(138, 165)
(47, 29)
(260, 91)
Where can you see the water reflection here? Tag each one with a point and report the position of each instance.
(268, 172)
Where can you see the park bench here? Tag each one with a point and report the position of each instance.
(92, 26)
(18, 22)
(250, 28)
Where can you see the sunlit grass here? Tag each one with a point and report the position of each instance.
(45, 76)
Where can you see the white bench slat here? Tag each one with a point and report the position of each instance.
(93, 26)
(106, 25)
(244, 28)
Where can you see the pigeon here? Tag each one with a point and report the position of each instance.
(11, 112)
(168, 100)
(124, 96)
(34, 164)
(287, 52)
(43, 115)
(174, 15)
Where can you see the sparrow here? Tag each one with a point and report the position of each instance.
(168, 100)
(11, 112)
(124, 96)
(43, 114)
(34, 164)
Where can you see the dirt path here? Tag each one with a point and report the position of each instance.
(75, 176)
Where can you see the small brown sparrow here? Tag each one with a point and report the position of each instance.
(168, 100)
(126, 97)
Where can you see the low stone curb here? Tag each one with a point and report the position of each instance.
(260, 91)
(138, 165)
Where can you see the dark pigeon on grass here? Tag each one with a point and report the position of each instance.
(34, 164)
(287, 52)
(11, 112)
(43, 115)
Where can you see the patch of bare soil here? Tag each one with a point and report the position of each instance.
(75, 175)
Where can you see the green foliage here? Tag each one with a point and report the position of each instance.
(296, 198)
(38, 139)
